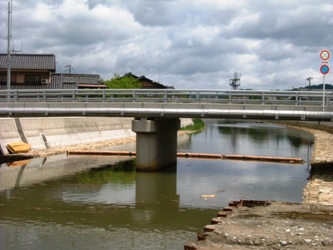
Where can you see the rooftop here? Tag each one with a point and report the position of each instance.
(29, 61)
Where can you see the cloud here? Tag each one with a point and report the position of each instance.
(186, 44)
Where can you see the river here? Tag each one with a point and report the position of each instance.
(80, 202)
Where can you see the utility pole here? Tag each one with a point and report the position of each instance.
(69, 68)
(309, 80)
(8, 45)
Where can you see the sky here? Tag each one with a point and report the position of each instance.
(188, 44)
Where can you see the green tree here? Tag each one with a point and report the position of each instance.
(124, 82)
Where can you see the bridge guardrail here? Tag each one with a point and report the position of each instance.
(169, 96)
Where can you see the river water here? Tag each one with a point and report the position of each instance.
(80, 202)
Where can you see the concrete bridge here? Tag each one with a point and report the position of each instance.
(156, 112)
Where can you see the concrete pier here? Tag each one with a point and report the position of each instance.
(156, 143)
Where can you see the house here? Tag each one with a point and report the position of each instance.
(38, 71)
(80, 81)
(27, 70)
(147, 83)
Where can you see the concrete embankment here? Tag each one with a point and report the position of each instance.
(57, 132)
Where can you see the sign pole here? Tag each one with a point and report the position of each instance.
(324, 69)
(324, 92)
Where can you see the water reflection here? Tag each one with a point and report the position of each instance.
(42, 169)
(241, 137)
(108, 197)
(103, 203)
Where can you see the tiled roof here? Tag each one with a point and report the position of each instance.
(144, 78)
(29, 61)
(130, 74)
(81, 78)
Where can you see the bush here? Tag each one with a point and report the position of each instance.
(197, 125)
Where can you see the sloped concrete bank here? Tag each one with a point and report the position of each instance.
(52, 135)
(53, 132)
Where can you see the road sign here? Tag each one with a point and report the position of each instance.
(325, 55)
(324, 69)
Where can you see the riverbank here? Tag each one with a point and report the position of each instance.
(322, 155)
(279, 225)
(319, 189)
(35, 153)
(54, 135)
(268, 225)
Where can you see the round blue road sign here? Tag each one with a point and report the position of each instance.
(324, 69)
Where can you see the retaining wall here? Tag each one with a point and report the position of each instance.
(50, 132)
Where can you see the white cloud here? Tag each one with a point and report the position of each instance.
(188, 44)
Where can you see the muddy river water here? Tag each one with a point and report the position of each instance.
(80, 202)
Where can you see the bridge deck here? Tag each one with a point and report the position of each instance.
(294, 105)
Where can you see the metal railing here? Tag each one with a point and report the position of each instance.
(313, 98)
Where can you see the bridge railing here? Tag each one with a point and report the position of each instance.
(169, 96)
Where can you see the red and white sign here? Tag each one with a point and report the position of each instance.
(325, 55)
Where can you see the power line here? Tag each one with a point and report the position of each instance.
(69, 68)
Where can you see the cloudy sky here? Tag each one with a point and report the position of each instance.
(188, 44)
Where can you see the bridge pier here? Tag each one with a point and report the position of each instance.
(156, 142)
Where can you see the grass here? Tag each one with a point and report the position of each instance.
(197, 125)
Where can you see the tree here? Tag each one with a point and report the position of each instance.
(124, 82)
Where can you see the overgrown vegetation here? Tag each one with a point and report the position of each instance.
(124, 82)
(197, 125)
